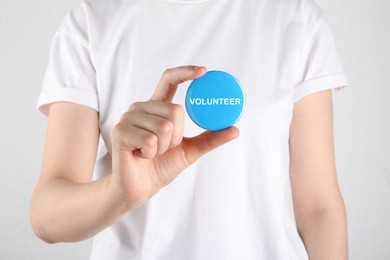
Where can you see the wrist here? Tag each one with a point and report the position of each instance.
(122, 198)
(115, 196)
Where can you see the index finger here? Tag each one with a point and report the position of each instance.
(171, 78)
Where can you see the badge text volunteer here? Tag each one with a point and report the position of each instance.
(215, 101)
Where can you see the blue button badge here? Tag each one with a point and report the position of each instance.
(215, 101)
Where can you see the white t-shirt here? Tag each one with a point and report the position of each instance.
(235, 202)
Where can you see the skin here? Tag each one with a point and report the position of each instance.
(149, 152)
(318, 205)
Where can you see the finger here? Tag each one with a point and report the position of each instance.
(157, 125)
(132, 139)
(172, 112)
(199, 145)
(166, 88)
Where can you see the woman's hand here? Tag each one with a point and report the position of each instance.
(149, 150)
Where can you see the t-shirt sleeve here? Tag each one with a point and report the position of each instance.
(70, 75)
(321, 66)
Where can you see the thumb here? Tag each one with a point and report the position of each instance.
(199, 145)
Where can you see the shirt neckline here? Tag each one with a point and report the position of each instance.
(185, 1)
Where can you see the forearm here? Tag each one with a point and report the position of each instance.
(63, 211)
(324, 233)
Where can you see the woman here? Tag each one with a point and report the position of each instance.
(268, 192)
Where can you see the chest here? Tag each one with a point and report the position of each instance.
(263, 58)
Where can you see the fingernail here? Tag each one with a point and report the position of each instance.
(195, 67)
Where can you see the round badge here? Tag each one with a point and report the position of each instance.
(215, 101)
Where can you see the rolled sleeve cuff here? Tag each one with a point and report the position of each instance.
(74, 95)
(335, 82)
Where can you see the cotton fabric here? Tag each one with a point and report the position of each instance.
(235, 202)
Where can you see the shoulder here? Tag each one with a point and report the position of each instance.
(297, 5)
(91, 15)
(303, 17)
(299, 9)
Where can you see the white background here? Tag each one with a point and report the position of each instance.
(362, 122)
